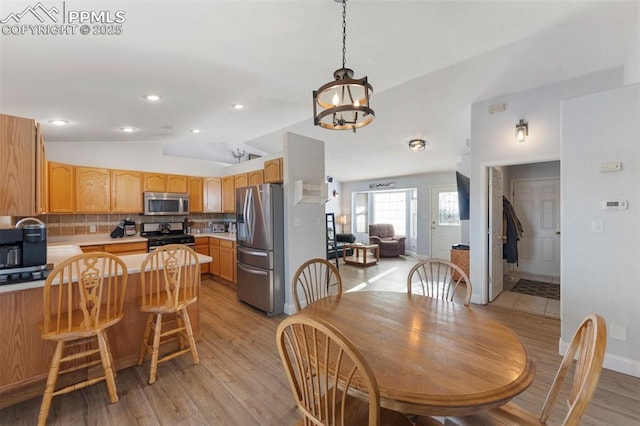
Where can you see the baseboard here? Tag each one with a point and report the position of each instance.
(628, 366)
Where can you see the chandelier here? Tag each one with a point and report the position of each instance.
(343, 104)
(237, 154)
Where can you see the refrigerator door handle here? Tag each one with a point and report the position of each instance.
(247, 215)
(253, 271)
(252, 252)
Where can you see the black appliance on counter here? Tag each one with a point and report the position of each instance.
(161, 234)
(23, 252)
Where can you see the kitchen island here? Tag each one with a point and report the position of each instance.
(25, 357)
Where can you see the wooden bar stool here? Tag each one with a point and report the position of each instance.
(88, 298)
(170, 278)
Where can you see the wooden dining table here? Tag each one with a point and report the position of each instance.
(430, 356)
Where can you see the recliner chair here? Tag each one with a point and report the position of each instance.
(383, 234)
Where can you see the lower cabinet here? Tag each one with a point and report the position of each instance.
(119, 249)
(228, 260)
(214, 252)
(202, 247)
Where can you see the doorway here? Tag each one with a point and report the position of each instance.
(445, 220)
(534, 191)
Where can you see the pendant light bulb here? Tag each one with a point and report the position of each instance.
(336, 99)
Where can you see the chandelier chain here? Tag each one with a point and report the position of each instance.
(344, 33)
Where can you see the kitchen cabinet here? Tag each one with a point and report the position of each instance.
(155, 182)
(41, 173)
(17, 166)
(214, 252)
(212, 195)
(273, 171)
(202, 247)
(195, 195)
(240, 180)
(92, 248)
(177, 183)
(256, 177)
(93, 193)
(61, 184)
(126, 191)
(228, 194)
(120, 249)
(227, 260)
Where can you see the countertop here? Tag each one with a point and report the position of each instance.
(56, 253)
(96, 239)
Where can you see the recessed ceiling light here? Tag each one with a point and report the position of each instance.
(59, 122)
(195, 130)
(237, 106)
(152, 98)
(128, 129)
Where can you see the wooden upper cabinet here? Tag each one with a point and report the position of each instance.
(228, 194)
(176, 183)
(41, 173)
(196, 195)
(240, 180)
(155, 182)
(213, 195)
(126, 191)
(61, 182)
(273, 170)
(256, 177)
(93, 193)
(17, 166)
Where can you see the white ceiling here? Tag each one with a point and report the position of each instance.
(428, 61)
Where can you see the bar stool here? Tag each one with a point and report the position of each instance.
(88, 299)
(170, 278)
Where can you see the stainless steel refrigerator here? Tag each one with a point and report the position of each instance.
(260, 246)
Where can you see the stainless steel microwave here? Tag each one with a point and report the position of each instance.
(166, 203)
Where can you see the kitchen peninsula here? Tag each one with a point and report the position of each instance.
(26, 357)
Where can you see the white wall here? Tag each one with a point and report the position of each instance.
(632, 65)
(305, 231)
(423, 183)
(600, 271)
(493, 143)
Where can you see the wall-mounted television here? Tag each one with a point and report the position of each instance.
(464, 188)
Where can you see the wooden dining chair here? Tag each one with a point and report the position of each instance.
(83, 297)
(324, 368)
(588, 344)
(170, 280)
(438, 278)
(313, 280)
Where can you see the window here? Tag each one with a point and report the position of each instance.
(391, 207)
(361, 201)
(448, 211)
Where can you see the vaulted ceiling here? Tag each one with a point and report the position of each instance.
(428, 61)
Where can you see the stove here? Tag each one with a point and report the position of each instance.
(161, 234)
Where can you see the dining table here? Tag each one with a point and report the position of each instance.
(430, 356)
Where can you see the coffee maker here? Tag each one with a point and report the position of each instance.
(23, 252)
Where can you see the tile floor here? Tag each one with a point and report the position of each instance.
(526, 302)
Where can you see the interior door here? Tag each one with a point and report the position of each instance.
(537, 204)
(496, 274)
(445, 220)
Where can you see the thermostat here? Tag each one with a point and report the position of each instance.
(614, 205)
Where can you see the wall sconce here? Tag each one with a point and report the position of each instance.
(342, 220)
(522, 130)
(335, 193)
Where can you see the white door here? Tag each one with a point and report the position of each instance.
(537, 204)
(496, 275)
(445, 220)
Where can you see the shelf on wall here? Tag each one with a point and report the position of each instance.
(305, 192)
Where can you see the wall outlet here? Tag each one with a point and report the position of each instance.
(618, 332)
(92, 228)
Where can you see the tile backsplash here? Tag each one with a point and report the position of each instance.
(81, 224)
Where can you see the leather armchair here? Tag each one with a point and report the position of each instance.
(383, 234)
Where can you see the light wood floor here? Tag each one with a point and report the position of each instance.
(240, 380)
